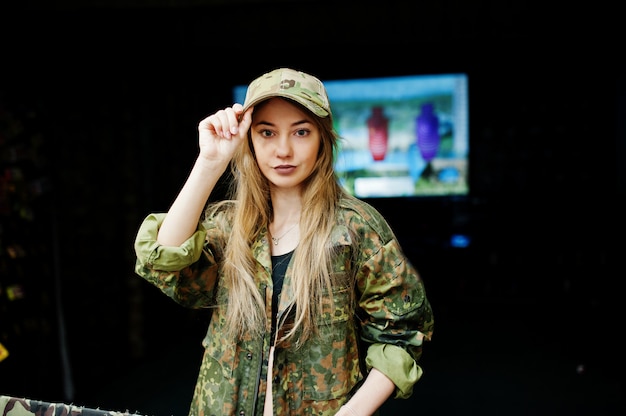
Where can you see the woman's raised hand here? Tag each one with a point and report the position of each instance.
(221, 133)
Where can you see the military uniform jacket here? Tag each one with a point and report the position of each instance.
(385, 330)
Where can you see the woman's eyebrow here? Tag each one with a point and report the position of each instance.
(268, 123)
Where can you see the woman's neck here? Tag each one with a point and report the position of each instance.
(286, 206)
(284, 228)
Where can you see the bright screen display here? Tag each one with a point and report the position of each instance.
(400, 136)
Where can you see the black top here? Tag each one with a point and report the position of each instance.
(279, 267)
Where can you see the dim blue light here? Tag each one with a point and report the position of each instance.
(459, 241)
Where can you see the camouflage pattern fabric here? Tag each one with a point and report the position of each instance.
(288, 83)
(386, 331)
(13, 406)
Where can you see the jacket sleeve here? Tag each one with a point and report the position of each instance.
(186, 274)
(395, 314)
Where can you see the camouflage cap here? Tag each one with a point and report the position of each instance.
(289, 83)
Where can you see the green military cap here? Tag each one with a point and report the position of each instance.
(289, 83)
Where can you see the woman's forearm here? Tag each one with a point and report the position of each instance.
(183, 216)
(376, 389)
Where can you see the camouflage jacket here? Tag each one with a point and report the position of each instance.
(386, 331)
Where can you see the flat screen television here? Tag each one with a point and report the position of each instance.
(401, 136)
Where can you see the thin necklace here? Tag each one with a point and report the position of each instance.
(277, 239)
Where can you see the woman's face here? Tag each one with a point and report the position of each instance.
(286, 142)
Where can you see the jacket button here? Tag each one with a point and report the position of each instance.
(242, 413)
(276, 379)
(249, 356)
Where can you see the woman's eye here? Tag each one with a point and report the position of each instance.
(266, 133)
(302, 132)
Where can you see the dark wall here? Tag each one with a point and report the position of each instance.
(112, 97)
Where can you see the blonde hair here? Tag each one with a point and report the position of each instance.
(251, 210)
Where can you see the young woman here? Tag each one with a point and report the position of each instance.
(316, 310)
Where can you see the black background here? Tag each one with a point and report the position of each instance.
(100, 101)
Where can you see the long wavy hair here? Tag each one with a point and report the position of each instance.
(251, 211)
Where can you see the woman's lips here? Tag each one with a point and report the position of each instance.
(285, 169)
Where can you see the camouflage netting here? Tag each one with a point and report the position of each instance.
(13, 406)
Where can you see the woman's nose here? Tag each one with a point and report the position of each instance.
(283, 147)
